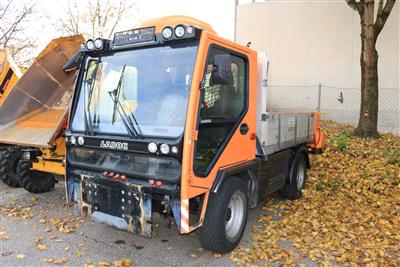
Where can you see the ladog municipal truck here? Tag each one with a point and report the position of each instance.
(171, 118)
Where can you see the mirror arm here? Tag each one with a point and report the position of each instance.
(202, 84)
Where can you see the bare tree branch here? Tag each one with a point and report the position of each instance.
(380, 6)
(4, 9)
(14, 21)
(94, 18)
(354, 5)
(383, 14)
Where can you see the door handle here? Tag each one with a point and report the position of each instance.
(244, 128)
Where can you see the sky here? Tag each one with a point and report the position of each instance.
(219, 13)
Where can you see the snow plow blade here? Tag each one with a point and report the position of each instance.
(34, 111)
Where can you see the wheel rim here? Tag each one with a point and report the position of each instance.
(300, 176)
(234, 216)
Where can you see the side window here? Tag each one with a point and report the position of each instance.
(222, 107)
(224, 101)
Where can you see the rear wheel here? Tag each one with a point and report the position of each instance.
(35, 181)
(226, 217)
(9, 157)
(297, 179)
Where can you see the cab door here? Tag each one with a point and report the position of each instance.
(222, 109)
(220, 129)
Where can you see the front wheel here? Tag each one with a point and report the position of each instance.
(226, 217)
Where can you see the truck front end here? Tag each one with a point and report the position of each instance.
(125, 135)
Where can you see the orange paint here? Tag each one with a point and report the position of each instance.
(318, 144)
(240, 149)
(171, 21)
(47, 119)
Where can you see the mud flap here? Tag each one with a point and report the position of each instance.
(121, 205)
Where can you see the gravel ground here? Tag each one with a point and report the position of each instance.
(91, 242)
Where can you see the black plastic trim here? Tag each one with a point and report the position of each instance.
(224, 173)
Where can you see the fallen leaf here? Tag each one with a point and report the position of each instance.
(79, 254)
(104, 263)
(6, 253)
(217, 255)
(20, 256)
(38, 239)
(41, 247)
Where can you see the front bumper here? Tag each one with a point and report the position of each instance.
(124, 205)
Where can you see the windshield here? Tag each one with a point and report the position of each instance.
(141, 92)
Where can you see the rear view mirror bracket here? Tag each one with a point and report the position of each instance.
(222, 72)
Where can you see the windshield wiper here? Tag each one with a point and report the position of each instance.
(88, 93)
(86, 111)
(126, 119)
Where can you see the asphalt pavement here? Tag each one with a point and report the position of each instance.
(44, 232)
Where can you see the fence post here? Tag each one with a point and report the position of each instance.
(319, 98)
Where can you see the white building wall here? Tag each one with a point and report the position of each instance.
(312, 42)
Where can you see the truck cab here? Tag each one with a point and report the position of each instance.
(164, 119)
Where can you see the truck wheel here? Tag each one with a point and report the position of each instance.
(9, 157)
(297, 178)
(34, 181)
(226, 217)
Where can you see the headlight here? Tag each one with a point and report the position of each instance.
(72, 140)
(81, 140)
(90, 45)
(167, 33)
(174, 150)
(189, 30)
(98, 43)
(164, 148)
(152, 147)
(179, 31)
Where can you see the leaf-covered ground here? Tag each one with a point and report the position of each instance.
(349, 213)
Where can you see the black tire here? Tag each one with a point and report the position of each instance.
(213, 234)
(9, 158)
(34, 181)
(297, 178)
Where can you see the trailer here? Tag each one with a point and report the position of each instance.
(171, 118)
(33, 112)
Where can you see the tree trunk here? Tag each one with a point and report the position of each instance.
(368, 121)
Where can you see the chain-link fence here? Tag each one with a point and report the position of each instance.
(335, 103)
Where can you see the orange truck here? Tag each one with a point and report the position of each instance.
(171, 118)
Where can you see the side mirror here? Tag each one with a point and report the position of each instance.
(74, 62)
(222, 72)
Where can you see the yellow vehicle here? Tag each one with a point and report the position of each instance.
(172, 118)
(33, 119)
(9, 73)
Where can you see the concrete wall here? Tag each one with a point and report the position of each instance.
(312, 42)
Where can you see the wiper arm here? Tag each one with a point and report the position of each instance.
(118, 107)
(131, 130)
(116, 93)
(89, 87)
(86, 111)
